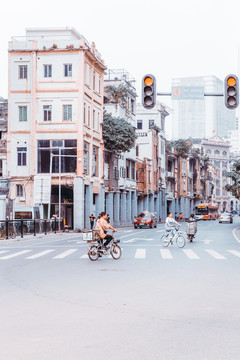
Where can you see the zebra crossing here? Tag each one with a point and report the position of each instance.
(140, 253)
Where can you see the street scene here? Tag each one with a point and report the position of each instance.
(179, 303)
(119, 180)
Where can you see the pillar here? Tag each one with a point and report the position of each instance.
(109, 204)
(123, 201)
(116, 208)
(134, 204)
(78, 203)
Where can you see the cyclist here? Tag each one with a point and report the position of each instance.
(169, 227)
(102, 225)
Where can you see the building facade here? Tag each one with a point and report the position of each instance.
(55, 147)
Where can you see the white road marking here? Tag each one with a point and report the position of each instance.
(207, 241)
(136, 233)
(65, 254)
(84, 256)
(160, 230)
(140, 254)
(42, 253)
(234, 234)
(3, 251)
(166, 254)
(190, 254)
(215, 254)
(134, 239)
(14, 255)
(235, 252)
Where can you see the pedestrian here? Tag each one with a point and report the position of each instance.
(180, 216)
(176, 216)
(108, 218)
(92, 217)
(102, 225)
(169, 227)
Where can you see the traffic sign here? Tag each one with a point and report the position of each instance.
(187, 92)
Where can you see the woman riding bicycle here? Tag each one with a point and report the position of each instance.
(169, 227)
(101, 225)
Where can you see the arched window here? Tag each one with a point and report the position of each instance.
(216, 152)
(224, 153)
(209, 151)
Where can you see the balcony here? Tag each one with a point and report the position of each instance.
(170, 175)
(169, 195)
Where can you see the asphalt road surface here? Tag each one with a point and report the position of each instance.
(153, 303)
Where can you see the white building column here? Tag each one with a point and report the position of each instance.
(78, 203)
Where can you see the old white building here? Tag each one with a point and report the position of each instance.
(54, 132)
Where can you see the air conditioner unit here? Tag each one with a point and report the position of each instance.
(22, 198)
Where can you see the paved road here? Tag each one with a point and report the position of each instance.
(153, 303)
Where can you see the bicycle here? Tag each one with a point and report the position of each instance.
(11, 233)
(178, 237)
(97, 250)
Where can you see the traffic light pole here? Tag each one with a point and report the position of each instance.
(170, 94)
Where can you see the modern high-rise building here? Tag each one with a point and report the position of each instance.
(196, 115)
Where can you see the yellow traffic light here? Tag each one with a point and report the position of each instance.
(231, 92)
(149, 91)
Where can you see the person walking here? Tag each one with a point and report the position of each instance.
(92, 217)
(108, 218)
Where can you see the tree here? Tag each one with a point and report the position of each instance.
(117, 94)
(118, 134)
(234, 175)
(181, 146)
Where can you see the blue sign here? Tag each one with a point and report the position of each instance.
(187, 93)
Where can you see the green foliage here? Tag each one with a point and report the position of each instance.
(181, 146)
(156, 128)
(234, 175)
(117, 93)
(118, 134)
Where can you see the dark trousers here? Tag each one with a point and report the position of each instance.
(92, 223)
(107, 239)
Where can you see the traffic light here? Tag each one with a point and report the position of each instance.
(231, 91)
(148, 91)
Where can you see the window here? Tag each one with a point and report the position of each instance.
(67, 70)
(94, 80)
(137, 150)
(22, 113)
(149, 176)
(94, 114)
(47, 148)
(123, 172)
(216, 152)
(98, 124)
(19, 190)
(128, 169)
(209, 151)
(115, 173)
(84, 114)
(86, 157)
(151, 124)
(132, 106)
(162, 147)
(89, 116)
(95, 161)
(47, 112)
(224, 153)
(67, 112)
(133, 170)
(47, 70)
(90, 76)
(99, 84)
(139, 124)
(22, 71)
(22, 156)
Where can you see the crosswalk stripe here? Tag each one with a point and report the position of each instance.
(65, 253)
(140, 254)
(190, 254)
(85, 256)
(235, 252)
(166, 254)
(3, 251)
(215, 254)
(14, 255)
(42, 253)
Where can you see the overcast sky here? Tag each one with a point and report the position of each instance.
(168, 38)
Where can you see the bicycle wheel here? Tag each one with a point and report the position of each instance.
(93, 253)
(181, 241)
(165, 241)
(116, 252)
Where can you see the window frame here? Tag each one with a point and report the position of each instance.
(22, 113)
(66, 70)
(22, 72)
(68, 107)
(47, 110)
(47, 70)
(18, 188)
(21, 156)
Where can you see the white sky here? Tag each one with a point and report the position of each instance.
(168, 38)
